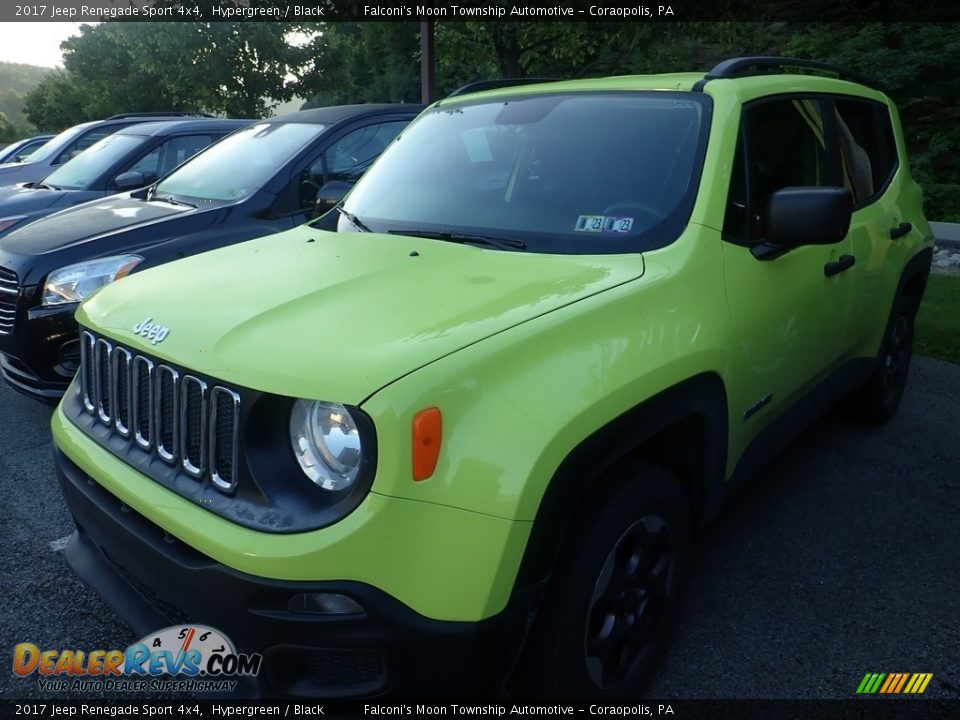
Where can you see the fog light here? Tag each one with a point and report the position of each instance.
(324, 604)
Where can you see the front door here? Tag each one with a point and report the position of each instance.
(789, 312)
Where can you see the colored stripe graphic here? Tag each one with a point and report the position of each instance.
(894, 683)
(870, 684)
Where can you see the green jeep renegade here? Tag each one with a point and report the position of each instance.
(462, 430)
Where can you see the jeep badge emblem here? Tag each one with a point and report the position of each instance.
(152, 331)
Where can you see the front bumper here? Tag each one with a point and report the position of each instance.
(40, 357)
(153, 580)
(136, 544)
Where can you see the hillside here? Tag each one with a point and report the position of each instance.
(16, 80)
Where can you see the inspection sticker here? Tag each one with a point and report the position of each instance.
(603, 223)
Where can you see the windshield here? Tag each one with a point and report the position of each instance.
(57, 143)
(240, 164)
(85, 168)
(564, 173)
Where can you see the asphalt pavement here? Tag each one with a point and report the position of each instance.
(840, 559)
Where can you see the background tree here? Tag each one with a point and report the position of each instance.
(238, 69)
(56, 103)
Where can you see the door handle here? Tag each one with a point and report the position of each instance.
(900, 230)
(839, 265)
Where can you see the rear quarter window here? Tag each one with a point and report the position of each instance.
(868, 150)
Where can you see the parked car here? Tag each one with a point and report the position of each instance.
(70, 143)
(260, 180)
(19, 150)
(471, 426)
(130, 158)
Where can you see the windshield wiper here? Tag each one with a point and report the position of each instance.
(465, 238)
(44, 186)
(354, 220)
(168, 199)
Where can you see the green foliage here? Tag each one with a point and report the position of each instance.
(16, 81)
(56, 103)
(236, 69)
(363, 62)
(8, 132)
(938, 324)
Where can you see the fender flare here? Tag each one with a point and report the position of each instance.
(702, 397)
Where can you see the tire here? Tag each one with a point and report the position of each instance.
(612, 604)
(877, 401)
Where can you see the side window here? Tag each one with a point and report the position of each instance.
(166, 156)
(868, 151)
(348, 158)
(782, 144)
(85, 141)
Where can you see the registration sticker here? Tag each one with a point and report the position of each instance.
(618, 224)
(603, 223)
(590, 223)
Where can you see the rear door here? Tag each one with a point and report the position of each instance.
(882, 230)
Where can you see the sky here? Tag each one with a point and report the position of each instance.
(34, 43)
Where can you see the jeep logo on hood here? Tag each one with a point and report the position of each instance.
(152, 331)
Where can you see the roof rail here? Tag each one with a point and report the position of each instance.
(766, 65)
(479, 85)
(177, 113)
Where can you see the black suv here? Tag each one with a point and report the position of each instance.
(71, 142)
(260, 180)
(130, 158)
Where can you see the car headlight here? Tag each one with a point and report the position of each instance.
(74, 283)
(8, 222)
(326, 443)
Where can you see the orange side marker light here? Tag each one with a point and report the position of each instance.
(427, 435)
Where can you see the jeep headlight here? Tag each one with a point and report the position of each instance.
(326, 443)
(74, 283)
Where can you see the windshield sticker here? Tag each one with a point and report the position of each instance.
(603, 223)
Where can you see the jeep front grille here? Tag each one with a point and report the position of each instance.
(176, 416)
(9, 292)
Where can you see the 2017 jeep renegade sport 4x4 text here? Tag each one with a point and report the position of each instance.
(465, 426)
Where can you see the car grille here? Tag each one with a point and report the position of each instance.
(9, 292)
(181, 418)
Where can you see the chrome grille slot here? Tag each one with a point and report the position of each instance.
(9, 282)
(9, 293)
(141, 382)
(101, 379)
(8, 314)
(120, 387)
(193, 424)
(224, 429)
(180, 418)
(167, 420)
(87, 343)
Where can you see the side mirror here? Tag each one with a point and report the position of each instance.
(330, 194)
(808, 216)
(129, 180)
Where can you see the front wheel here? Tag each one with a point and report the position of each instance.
(613, 602)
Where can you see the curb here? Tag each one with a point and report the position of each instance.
(947, 235)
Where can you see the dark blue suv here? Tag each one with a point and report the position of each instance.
(130, 158)
(71, 142)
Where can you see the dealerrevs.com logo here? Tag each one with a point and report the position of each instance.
(192, 658)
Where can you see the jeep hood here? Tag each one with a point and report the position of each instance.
(337, 316)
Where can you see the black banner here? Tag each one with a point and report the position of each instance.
(874, 708)
(296, 11)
